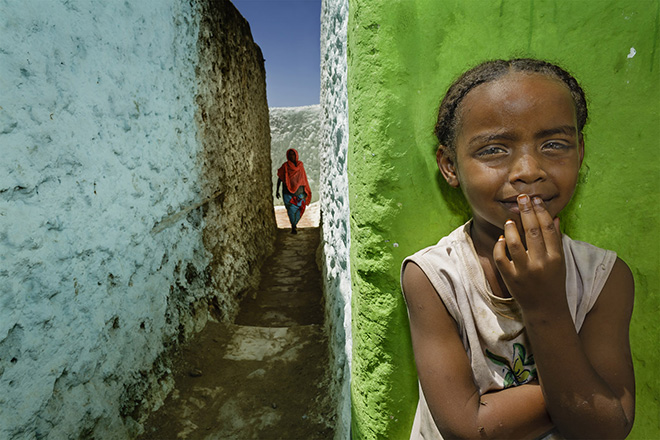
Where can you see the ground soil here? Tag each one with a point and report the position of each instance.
(266, 375)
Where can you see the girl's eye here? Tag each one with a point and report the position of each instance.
(553, 146)
(490, 150)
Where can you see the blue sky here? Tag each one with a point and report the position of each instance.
(288, 33)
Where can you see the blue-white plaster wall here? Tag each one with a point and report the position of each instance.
(102, 210)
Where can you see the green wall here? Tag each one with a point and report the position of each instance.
(402, 55)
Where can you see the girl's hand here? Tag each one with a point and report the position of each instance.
(536, 276)
(277, 195)
(587, 378)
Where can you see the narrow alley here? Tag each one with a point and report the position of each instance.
(266, 375)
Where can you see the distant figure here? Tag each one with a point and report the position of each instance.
(296, 191)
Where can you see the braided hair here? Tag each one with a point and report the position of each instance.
(446, 127)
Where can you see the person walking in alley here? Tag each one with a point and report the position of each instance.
(295, 192)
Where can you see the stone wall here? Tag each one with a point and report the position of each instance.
(235, 160)
(335, 215)
(134, 196)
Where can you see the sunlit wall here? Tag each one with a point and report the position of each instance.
(402, 57)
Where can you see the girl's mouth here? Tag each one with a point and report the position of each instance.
(511, 203)
(511, 206)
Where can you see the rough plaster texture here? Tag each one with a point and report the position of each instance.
(113, 217)
(239, 228)
(299, 128)
(400, 63)
(335, 215)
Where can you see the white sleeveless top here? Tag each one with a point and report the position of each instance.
(496, 343)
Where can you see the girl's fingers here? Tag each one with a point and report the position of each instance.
(514, 243)
(549, 228)
(534, 236)
(499, 255)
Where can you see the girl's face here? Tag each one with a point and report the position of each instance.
(516, 135)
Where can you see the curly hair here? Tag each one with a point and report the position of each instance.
(447, 124)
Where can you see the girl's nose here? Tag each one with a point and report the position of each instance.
(527, 169)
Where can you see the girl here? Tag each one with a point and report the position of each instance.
(296, 190)
(517, 330)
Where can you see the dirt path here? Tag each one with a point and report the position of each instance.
(266, 375)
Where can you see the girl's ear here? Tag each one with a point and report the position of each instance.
(581, 149)
(446, 166)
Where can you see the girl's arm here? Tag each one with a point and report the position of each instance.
(446, 376)
(587, 378)
(277, 192)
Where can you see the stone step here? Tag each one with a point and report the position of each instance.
(243, 382)
(265, 375)
(250, 343)
(290, 292)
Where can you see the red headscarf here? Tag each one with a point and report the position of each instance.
(294, 176)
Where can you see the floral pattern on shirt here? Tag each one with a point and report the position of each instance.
(519, 371)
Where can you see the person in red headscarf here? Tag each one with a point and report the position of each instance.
(295, 191)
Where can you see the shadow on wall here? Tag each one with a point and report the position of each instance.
(233, 124)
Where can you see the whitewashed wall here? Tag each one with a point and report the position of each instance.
(103, 208)
(334, 201)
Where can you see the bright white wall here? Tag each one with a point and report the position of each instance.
(334, 201)
(299, 128)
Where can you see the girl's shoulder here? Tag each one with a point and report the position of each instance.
(588, 258)
(445, 248)
(445, 263)
(441, 260)
(589, 269)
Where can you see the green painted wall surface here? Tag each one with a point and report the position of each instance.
(403, 54)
